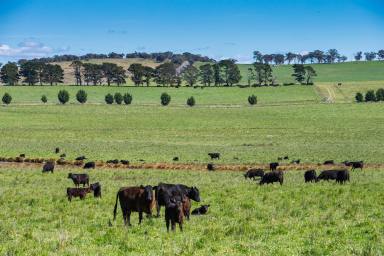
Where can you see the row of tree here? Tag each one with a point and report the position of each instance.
(156, 56)
(317, 56)
(370, 96)
(32, 72)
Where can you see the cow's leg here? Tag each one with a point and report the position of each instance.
(181, 227)
(140, 216)
(173, 225)
(158, 209)
(125, 216)
(167, 224)
(129, 217)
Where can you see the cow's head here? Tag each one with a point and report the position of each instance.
(194, 194)
(69, 175)
(148, 194)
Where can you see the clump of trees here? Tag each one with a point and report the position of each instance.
(44, 99)
(81, 96)
(165, 99)
(191, 101)
(303, 74)
(252, 100)
(63, 96)
(7, 98)
(370, 96)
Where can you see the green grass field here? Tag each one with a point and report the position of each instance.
(244, 218)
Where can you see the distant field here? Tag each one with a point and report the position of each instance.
(311, 132)
(334, 73)
(244, 218)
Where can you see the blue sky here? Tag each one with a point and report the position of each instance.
(217, 28)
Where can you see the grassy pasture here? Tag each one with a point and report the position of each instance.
(244, 218)
(311, 132)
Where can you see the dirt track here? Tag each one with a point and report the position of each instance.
(184, 166)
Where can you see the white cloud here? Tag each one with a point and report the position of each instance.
(26, 49)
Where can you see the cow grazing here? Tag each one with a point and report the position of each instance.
(328, 162)
(214, 155)
(176, 158)
(342, 176)
(201, 210)
(80, 158)
(253, 173)
(115, 161)
(286, 158)
(57, 150)
(78, 179)
(164, 192)
(210, 167)
(63, 155)
(327, 175)
(125, 162)
(310, 176)
(134, 199)
(89, 165)
(354, 164)
(96, 188)
(49, 167)
(77, 192)
(174, 213)
(279, 159)
(271, 177)
(273, 166)
(297, 161)
(22, 155)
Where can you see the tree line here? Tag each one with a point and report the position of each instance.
(156, 56)
(317, 56)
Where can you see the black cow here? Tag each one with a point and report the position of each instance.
(354, 164)
(176, 158)
(77, 192)
(63, 155)
(328, 162)
(201, 210)
(214, 155)
(273, 166)
(134, 199)
(253, 173)
(342, 176)
(22, 155)
(49, 167)
(115, 161)
(310, 176)
(210, 167)
(89, 165)
(297, 161)
(96, 188)
(164, 192)
(57, 150)
(286, 158)
(82, 178)
(271, 177)
(327, 175)
(174, 213)
(125, 162)
(80, 158)
(279, 159)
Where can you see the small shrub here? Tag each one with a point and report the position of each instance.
(81, 96)
(7, 98)
(118, 98)
(380, 94)
(165, 99)
(370, 96)
(127, 98)
(252, 100)
(109, 98)
(44, 99)
(359, 97)
(63, 96)
(191, 101)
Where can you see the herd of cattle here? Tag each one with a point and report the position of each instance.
(176, 198)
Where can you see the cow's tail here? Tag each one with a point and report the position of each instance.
(115, 209)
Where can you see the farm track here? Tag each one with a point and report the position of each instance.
(185, 166)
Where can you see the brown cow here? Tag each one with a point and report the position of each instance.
(134, 199)
(77, 192)
(186, 206)
(174, 213)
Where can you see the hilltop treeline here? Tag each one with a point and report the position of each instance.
(158, 57)
(317, 56)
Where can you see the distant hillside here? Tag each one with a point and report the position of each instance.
(337, 72)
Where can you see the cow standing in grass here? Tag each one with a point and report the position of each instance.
(310, 176)
(78, 179)
(134, 199)
(253, 173)
(271, 177)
